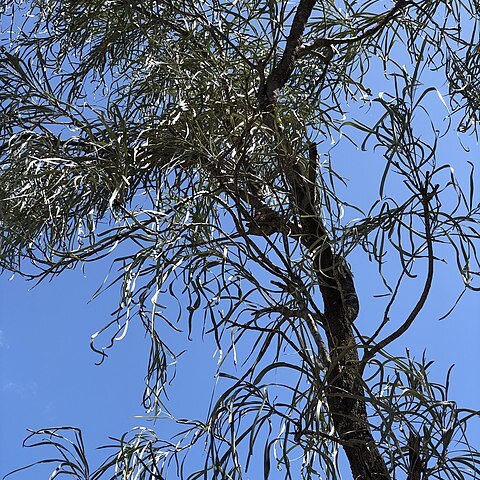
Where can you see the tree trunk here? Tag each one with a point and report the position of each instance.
(345, 392)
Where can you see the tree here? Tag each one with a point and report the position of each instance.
(198, 138)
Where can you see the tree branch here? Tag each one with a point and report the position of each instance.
(280, 74)
(426, 197)
(371, 30)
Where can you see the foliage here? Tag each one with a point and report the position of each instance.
(195, 144)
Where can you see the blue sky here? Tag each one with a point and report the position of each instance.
(49, 377)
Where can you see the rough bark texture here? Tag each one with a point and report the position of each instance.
(345, 393)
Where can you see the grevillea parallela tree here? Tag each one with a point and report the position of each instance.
(199, 144)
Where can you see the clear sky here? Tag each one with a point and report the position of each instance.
(49, 377)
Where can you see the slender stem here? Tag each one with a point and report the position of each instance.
(426, 289)
(370, 30)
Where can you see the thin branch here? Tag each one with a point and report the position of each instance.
(426, 197)
(371, 30)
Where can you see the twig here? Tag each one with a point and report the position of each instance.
(426, 197)
(371, 30)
